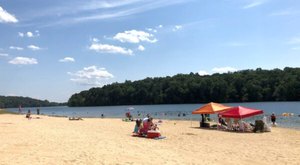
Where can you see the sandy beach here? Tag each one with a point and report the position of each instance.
(56, 140)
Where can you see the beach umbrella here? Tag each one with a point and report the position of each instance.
(240, 112)
(210, 108)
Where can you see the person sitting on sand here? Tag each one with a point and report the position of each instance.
(236, 125)
(229, 124)
(146, 118)
(28, 114)
(129, 116)
(147, 124)
(222, 121)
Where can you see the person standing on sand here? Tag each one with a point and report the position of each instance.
(20, 109)
(37, 111)
(273, 118)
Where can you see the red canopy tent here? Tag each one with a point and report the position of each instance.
(240, 112)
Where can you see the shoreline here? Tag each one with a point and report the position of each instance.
(190, 120)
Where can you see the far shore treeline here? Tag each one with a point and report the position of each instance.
(241, 86)
(16, 101)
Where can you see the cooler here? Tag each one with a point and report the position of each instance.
(153, 134)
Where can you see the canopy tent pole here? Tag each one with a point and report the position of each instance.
(217, 122)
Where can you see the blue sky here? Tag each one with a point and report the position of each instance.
(53, 49)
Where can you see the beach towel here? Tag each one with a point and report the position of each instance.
(145, 136)
(160, 137)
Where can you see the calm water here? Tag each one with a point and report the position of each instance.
(177, 111)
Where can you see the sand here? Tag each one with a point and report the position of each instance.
(56, 140)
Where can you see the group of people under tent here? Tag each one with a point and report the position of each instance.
(240, 125)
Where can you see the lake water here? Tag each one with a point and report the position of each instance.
(175, 111)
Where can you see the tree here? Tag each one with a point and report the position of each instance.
(240, 86)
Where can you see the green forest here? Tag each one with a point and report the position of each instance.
(16, 101)
(241, 86)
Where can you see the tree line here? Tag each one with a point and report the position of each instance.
(241, 86)
(16, 101)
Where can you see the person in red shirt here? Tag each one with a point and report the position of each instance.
(273, 118)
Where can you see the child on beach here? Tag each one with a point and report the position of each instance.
(137, 127)
(154, 127)
(273, 119)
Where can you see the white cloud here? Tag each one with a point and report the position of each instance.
(131, 8)
(254, 3)
(67, 59)
(5, 17)
(91, 10)
(23, 61)
(202, 73)
(135, 36)
(151, 30)
(33, 47)
(95, 39)
(177, 27)
(155, 29)
(3, 55)
(15, 48)
(94, 5)
(105, 48)
(91, 76)
(29, 34)
(21, 34)
(141, 48)
(224, 70)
